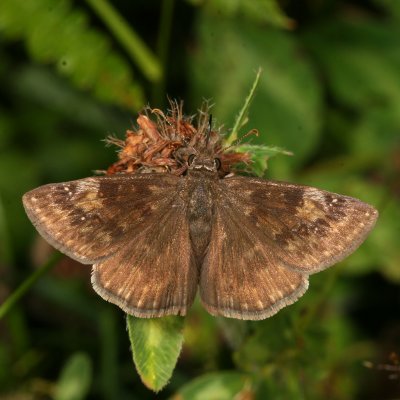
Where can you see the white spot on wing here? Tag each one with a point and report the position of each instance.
(314, 193)
(247, 211)
(87, 184)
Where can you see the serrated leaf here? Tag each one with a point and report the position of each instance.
(215, 386)
(75, 378)
(156, 345)
(260, 155)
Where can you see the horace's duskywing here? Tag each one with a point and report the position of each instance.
(154, 237)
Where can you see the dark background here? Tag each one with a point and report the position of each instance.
(330, 93)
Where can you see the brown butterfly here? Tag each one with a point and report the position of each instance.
(249, 244)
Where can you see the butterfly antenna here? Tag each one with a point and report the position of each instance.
(208, 134)
(239, 140)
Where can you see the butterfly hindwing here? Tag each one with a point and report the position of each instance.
(155, 273)
(240, 277)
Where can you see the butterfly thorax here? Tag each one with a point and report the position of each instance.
(201, 177)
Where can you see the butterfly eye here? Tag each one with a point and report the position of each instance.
(217, 163)
(191, 158)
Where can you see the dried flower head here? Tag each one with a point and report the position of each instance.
(163, 142)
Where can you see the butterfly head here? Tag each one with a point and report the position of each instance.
(205, 163)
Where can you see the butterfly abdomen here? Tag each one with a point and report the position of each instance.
(200, 213)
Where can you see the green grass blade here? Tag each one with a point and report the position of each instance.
(27, 284)
(241, 118)
(137, 49)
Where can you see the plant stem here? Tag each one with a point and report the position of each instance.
(27, 284)
(129, 39)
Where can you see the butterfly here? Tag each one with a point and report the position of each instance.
(247, 244)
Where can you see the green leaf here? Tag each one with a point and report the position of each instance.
(75, 378)
(215, 386)
(260, 155)
(56, 33)
(156, 345)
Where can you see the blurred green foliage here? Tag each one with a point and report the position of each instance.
(71, 73)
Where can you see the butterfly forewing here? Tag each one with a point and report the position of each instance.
(308, 228)
(90, 218)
